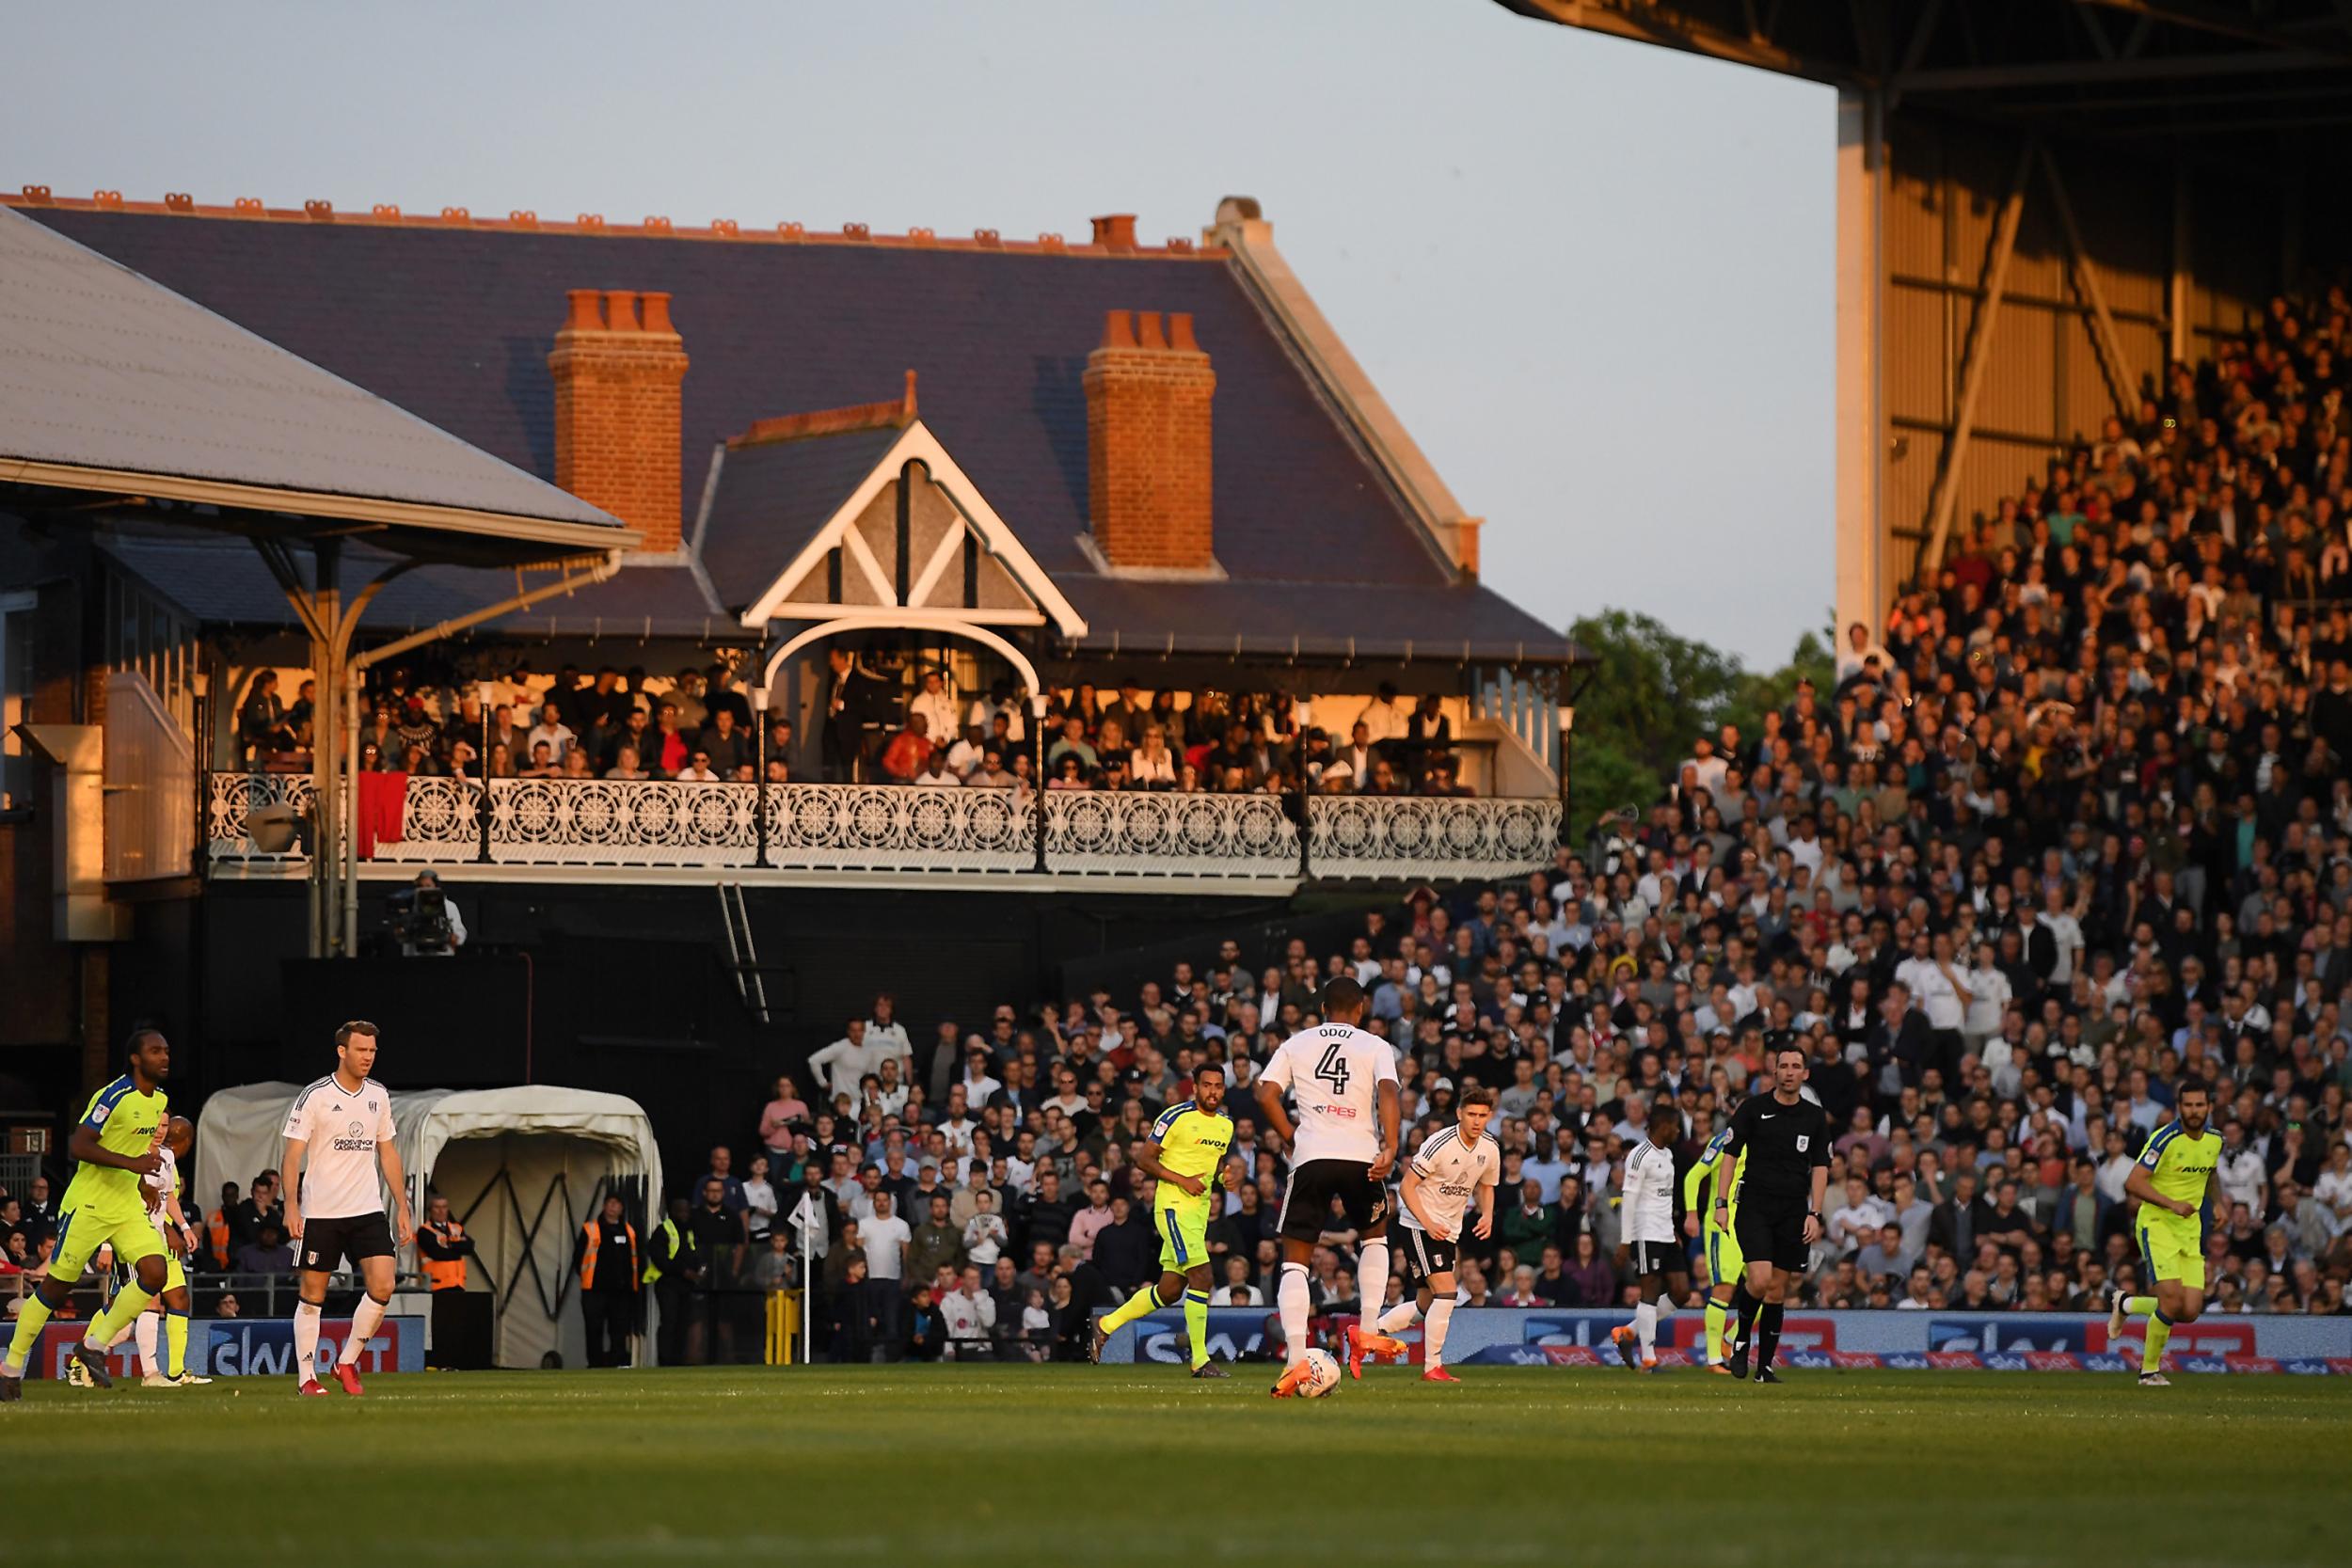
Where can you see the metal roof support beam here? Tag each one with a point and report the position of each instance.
(2162, 68)
(1973, 361)
(344, 911)
(329, 637)
(2112, 359)
(2202, 18)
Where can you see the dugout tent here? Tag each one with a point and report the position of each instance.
(522, 1168)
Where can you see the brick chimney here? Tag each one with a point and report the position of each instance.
(618, 364)
(1148, 443)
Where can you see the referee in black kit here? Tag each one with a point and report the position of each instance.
(1777, 1160)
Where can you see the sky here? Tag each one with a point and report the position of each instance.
(1595, 278)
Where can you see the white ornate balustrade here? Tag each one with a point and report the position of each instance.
(884, 828)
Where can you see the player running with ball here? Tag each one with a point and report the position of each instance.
(1344, 1082)
(1186, 1155)
(1439, 1181)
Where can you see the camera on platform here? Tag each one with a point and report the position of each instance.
(418, 918)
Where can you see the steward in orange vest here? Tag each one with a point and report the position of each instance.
(606, 1256)
(443, 1246)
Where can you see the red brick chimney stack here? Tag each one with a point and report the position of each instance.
(618, 365)
(1149, 389)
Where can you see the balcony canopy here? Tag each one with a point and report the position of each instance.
(113, 384)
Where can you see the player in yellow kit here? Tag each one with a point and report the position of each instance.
(1725, 1262)
(117, 1142)
(1186, 1153)
(2177, 1174)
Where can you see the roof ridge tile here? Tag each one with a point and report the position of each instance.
(527, 221)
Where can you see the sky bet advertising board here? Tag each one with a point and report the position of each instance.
(1912, 1342)
(250, 1347)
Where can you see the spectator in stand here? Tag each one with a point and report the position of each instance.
(969, 1313)
(1090, 1221)
(671, 750)
(727, 745)
(904, 757)
(551, 732)
(937, 706)
(780, 1119)
(269, 1252)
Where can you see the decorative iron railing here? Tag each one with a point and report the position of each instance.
(879, 828)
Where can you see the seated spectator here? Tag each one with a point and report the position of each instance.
(726, 746)
(697, 770)
(1152, 764)
(551, 732)
(269, 1252)
(908, 751)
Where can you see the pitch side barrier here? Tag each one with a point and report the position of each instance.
(1903, 1340)
(248, 1347)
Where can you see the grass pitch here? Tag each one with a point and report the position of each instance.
(1051, 1465)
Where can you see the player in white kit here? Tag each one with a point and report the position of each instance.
(335, 1210)
(1441, 1178)
(169, 1310)
(1661, 1265)
(1342, 1147)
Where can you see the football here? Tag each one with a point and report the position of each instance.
(1323, 1374)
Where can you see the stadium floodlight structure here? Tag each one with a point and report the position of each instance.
(2041, 206)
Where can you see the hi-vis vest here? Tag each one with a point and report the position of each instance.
(217, 1232)
(450, 1276)
(594, 1229)
(679, 1246)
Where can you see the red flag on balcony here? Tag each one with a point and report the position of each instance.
(382, 799)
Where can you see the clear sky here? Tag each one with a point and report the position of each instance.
(1594, 277)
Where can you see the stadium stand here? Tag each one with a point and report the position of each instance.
(2074, 825)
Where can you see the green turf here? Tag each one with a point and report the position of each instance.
(1050, 1466)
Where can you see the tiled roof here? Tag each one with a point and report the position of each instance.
(454, 322)
(771, 499)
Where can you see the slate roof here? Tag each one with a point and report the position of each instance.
(773, 497)
(101, 369)
(455, 323)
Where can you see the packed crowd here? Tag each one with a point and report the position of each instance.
(699, 725)
(2073, 827)
(244, 1235)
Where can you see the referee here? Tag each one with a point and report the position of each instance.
(1777, 1160)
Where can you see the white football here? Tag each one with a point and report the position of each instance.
(1323, 1374)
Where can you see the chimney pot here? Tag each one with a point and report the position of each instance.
(1180, 332)
(585, 317)
(1148, 330)
(620, 309)
(910, 400)
(1116, 231)
(657, 313)
(1119, 329)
